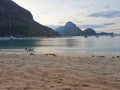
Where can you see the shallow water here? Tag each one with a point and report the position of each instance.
(104, 45)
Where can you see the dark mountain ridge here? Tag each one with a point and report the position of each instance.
(18, 22)
(70, 29)
(89, 32)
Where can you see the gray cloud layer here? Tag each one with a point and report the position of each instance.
(106, 14)
(96, 26)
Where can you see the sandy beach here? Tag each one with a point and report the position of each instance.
(49, 72)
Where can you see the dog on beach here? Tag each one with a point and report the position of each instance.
(29, 50)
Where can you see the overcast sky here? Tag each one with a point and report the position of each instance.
(102, 15)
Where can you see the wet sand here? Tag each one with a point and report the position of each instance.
(52, 72)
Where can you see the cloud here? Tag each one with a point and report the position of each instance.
(62, 22)
(106, 14)
(90, 26)
(96, 26)
(107, 6)
(111, 28)
(108, 24)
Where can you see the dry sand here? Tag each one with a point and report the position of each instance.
(49, 72)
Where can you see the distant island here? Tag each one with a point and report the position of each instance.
(15, 21)
(70, 29)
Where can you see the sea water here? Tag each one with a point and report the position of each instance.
(75, 46)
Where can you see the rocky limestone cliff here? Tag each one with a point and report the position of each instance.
(70, 29)
(88, 32)
(18, 22)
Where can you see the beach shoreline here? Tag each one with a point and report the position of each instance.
(21, 71)
(59, 53)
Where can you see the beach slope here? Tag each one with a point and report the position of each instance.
(49, 72)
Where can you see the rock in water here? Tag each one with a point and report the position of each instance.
(89, 32)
